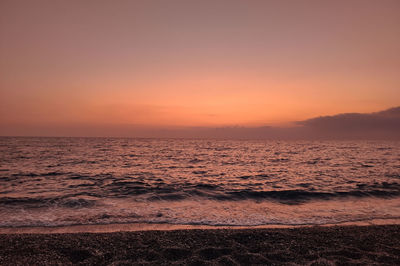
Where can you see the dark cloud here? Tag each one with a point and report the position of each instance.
(384, 124)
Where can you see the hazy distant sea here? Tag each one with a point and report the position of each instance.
(68, 181)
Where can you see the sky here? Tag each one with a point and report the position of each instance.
(86, 67)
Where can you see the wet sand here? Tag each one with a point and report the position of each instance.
(305, 245)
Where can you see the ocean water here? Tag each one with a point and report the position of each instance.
(80, 181)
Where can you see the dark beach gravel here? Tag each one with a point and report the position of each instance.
(338, 245)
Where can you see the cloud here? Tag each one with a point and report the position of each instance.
(384, 124)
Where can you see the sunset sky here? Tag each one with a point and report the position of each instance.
(194, 63)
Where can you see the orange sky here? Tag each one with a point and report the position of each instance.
(195, 63)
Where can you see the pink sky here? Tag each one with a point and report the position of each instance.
(194, 63)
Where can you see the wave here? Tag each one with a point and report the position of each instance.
(174, 192)
(31, 174)
(137, 190)
(299, 196)
(42, 202)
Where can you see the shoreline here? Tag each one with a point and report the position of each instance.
(134, 227)
(317, 245)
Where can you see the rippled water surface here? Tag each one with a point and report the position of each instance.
(65, 181)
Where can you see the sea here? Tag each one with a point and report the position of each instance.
(50, 182)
